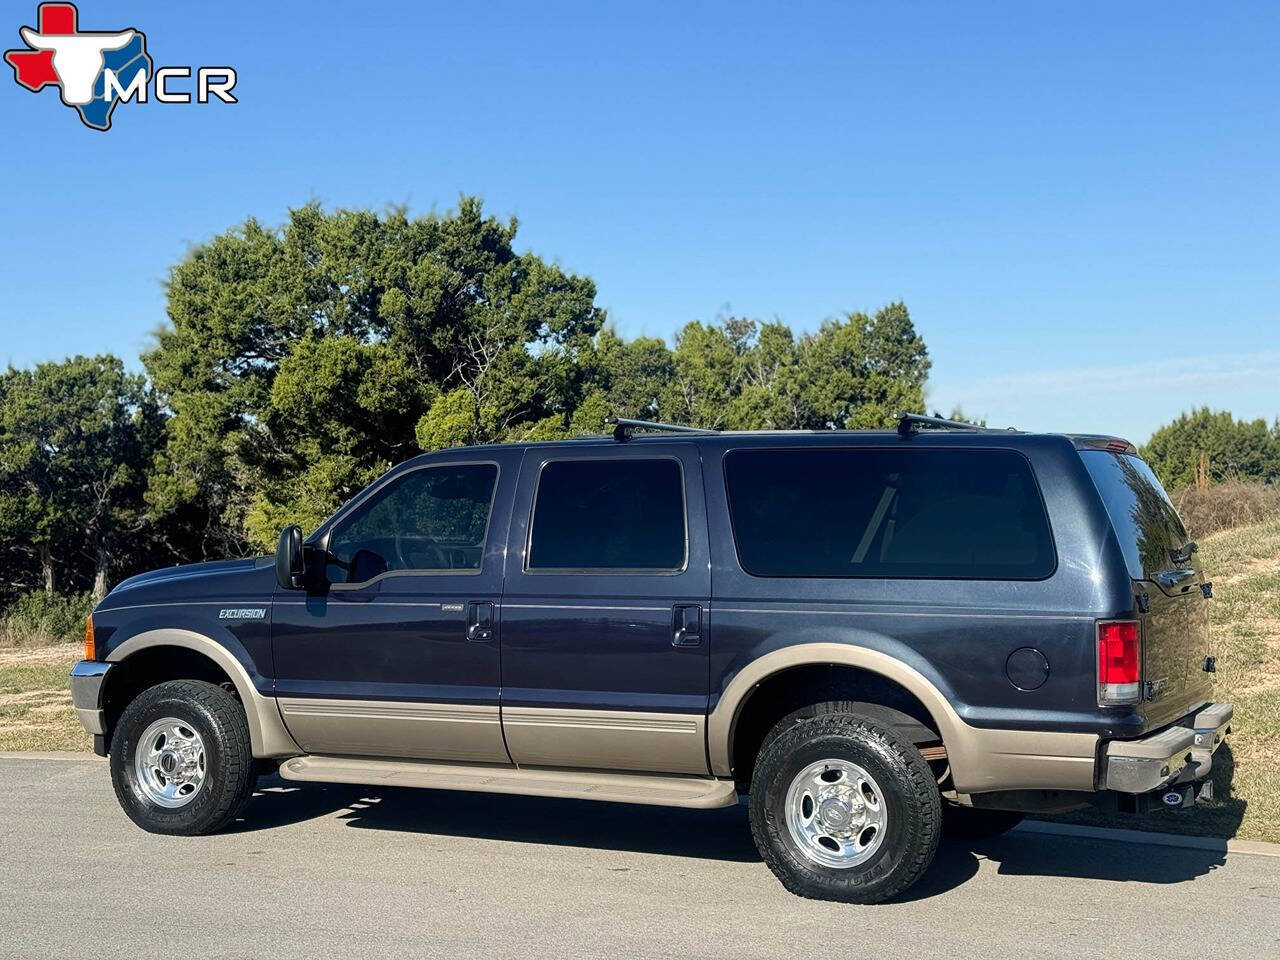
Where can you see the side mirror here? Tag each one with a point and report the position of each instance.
(290, 565)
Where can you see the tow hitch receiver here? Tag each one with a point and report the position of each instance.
(1180, 796)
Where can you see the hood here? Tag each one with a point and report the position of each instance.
(191, 577)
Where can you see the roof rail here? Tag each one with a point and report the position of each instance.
(909, 423)
(624, 428)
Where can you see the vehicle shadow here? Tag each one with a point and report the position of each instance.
(1041, 855)
(704, 834)
(721, 834)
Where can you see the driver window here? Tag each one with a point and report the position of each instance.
(434, 519)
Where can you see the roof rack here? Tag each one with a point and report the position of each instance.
(624, 428)
(909, 423)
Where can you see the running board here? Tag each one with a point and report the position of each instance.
(664, 791)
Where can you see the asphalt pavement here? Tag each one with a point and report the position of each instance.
(341, 871)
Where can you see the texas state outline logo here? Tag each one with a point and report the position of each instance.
(96, 70)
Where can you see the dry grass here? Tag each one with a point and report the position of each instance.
(1226, 505)
(35, 700)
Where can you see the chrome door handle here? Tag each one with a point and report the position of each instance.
(687, 625)
(480, 621)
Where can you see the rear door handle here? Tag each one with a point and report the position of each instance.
(1172, 579)
(687, 625)
(480, 621)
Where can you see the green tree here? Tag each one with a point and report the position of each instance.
(852, 373)
(74, 441)
(1226, 446)
(300, 362)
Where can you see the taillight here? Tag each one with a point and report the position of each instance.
(90, 648)
(1119, 661)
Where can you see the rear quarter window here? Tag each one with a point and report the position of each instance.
(1144, 519)
(909, 513)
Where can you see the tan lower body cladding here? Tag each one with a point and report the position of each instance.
(663, 743)
(535, 736)
(385, 728)
(606, 739)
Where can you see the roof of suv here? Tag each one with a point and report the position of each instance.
(966, 436)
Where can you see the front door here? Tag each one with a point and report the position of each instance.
(395, 653)
(604, 615)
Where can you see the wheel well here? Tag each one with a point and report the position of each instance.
(789, 691)
(152, 666)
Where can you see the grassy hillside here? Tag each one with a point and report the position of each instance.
(1244, 564)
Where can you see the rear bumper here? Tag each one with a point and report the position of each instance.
(87, 677)
(1178, 754)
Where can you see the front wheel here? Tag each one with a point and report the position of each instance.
(181, 761)
(843, 808)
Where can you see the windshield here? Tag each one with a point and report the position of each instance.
(1144, 519)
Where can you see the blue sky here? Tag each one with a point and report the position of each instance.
(1078, 202)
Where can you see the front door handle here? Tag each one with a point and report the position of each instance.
(687, 626)
(480, 621)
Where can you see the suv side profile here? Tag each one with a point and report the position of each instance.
(874, 635)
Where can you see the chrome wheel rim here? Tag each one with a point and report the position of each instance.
(836, 813)
(170, 763)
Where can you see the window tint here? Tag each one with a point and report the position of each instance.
(973, 514)
(623, 514)
(1145, 522)
(430, 519)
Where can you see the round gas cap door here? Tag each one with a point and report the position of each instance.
(1027, 668)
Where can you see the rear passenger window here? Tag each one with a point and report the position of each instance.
(963, 514)
(622, 515)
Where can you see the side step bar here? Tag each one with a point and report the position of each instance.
(664, 791)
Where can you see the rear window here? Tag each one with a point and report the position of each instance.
(621, 515)
(960, 514)
(1145, 521)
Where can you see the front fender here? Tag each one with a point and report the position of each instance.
(267, 732)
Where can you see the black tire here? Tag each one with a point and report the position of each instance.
(228, 782)
(971, 823)
(910, 793)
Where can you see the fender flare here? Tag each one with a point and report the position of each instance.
(723, 719)
(267, 733)
(980, 759)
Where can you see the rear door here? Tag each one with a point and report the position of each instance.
(604, 612)
(1175, 630)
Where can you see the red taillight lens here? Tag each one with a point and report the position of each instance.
(1119, 661)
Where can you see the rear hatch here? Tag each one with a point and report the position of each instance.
(1164, 567)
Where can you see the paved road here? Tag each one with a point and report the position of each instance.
(324, 871)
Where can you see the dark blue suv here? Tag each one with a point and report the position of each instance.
(875, 635)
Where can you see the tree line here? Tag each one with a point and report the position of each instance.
(1204, 447)
(300, 362)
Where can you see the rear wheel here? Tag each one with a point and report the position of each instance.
(181, 761)
(843, 808)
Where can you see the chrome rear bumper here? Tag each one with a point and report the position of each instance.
(1176, 754)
